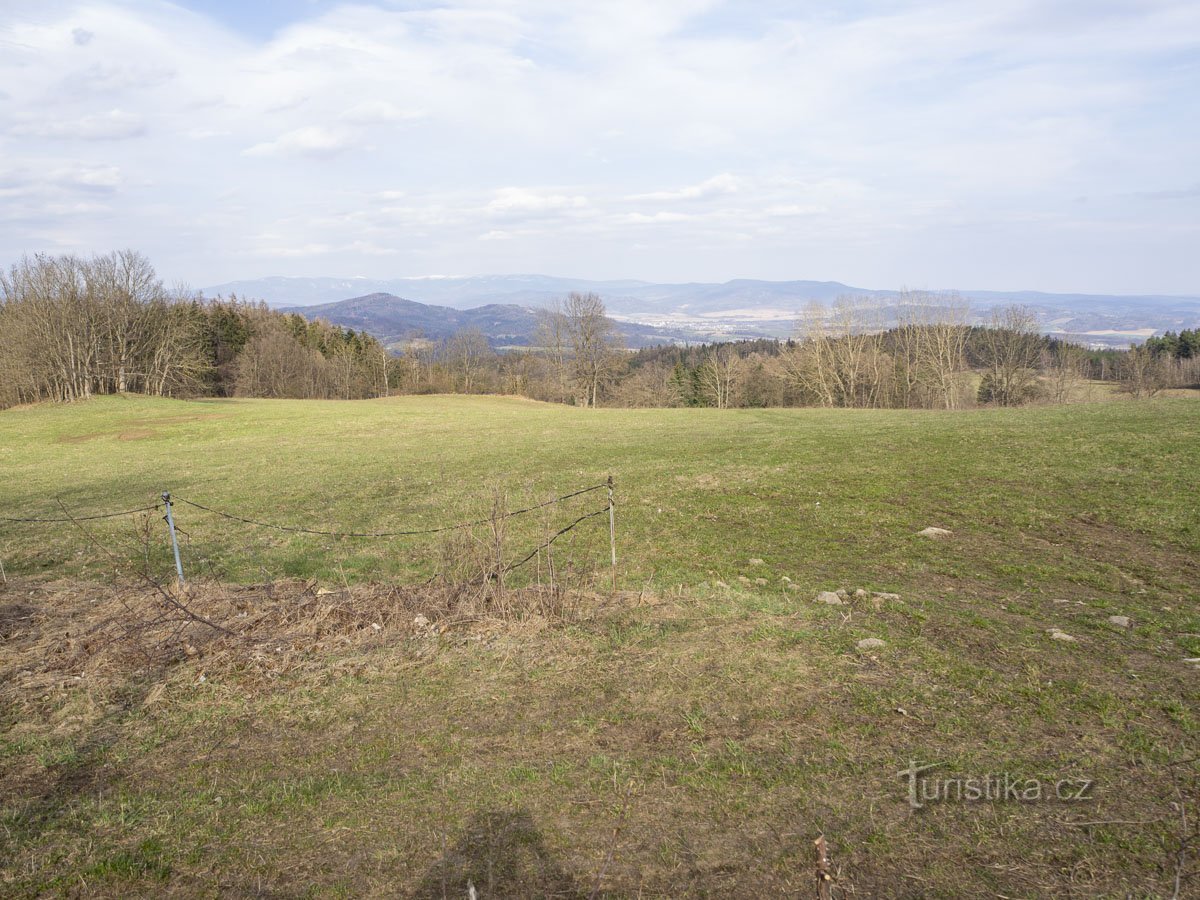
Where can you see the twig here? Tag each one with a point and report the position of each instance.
(1185, 836)
(1109, 822)
(612, 843)
(824, 878)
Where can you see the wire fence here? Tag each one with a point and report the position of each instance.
(168, 501)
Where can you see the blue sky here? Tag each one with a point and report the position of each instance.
(1000, 145)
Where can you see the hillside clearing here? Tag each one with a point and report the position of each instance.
(690, 735)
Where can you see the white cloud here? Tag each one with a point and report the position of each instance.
(114, 125)
(514, 200)
(716, 186)
(312, 140)
(843, 139)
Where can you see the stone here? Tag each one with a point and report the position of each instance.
(1057, 635)
(932, 532)
(761, 582)
(886, 597)
(420, 622)
(871, 644)
(830, 597)
(743, 579)
(860, 594)
(1120, 621)
(756, 562)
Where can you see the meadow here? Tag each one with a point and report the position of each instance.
(689, 733)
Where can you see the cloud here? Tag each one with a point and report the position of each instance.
(102, 179)
(313, 141)
(515, 201)
(378, 112)
(718, 185)
(115, 125)
(567, 125)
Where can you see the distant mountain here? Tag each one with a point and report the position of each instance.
(739, 308)
(394, 320)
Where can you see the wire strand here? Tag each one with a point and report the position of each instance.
(534, 552)
(128, 512)
(295, 529)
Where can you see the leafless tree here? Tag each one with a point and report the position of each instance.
(931, 337)
(1141, 373)
(467, 352)
(553, 338)
(720, 376)
(840, 360)
(594, 344)
(1011, 351)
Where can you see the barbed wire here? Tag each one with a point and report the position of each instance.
(534, 552)
(112, 515)
(296, 529)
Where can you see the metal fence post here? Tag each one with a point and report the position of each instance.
(166, 497)
(612, 532)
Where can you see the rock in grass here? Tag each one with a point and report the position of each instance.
(761, 582)
(860, 594)
(1119, 621)
(932, 532)
(885, 597)
(871, 644)
(831, 598)
(1057, 635)
(756, 562)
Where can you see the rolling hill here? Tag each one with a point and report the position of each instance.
(393, 319)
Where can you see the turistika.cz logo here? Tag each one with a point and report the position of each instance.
(924, 788)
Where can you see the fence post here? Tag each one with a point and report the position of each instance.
(612, 532)
(166, 498)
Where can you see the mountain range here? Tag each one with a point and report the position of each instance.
(503, 306)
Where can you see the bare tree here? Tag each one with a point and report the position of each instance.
(1011, 349)
(931, 338)
(840, 360)
(553, 338)
(1064, 366)
(1141, 373)
(467, 352)
(594, 344)
(720, 375)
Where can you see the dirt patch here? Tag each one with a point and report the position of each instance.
(109, 634)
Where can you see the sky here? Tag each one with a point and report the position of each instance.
(972, 144)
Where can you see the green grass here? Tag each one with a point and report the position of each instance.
(1036, 496)
(716, 729)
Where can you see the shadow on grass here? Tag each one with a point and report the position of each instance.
(502, 854)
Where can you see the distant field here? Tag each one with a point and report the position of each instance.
(716, 725)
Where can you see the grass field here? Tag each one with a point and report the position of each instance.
(689, 736)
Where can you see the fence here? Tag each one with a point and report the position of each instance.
(168, 504)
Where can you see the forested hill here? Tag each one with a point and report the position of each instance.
(393, 319)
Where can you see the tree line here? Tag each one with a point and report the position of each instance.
(72, 328)
(923, 352)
